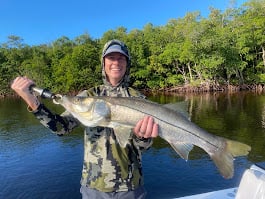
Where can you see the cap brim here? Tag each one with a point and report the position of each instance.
(115, 49)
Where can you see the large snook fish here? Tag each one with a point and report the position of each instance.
(122, 114)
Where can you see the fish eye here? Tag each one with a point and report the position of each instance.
(76, 100)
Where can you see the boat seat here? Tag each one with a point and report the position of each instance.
(252, 184)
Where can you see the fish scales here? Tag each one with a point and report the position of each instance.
(167, 119)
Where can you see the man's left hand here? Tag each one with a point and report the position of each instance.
(146, 128)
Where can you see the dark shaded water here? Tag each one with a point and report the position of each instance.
(34, 163)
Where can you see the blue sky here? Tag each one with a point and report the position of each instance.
(42, 22)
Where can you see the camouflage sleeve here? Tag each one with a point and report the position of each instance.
(142, 143)
(59, 124)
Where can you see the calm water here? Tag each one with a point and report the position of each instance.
(35, 163)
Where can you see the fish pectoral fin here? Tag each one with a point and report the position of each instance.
(183, 149)
(123, 134)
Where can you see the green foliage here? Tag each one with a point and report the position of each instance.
(226, 47)
(261, 78)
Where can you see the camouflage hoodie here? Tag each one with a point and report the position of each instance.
(107, 166)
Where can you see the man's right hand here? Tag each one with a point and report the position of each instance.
(21, 86)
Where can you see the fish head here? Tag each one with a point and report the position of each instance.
(76, 104)
(88, 110)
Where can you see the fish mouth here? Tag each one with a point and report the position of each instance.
(58, 99)
(63, 101)
(70, 104)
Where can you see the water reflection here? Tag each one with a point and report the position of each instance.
(238, 116)
(42, 165)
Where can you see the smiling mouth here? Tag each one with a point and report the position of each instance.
(116, 69)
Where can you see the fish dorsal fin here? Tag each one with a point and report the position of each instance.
(180, 107)
(123, 134)
(183, 149)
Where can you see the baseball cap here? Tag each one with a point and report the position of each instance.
(116, 48)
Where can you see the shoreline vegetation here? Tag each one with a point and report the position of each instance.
(224, 52)
(214, 88)
(259, 88)
(182, 90)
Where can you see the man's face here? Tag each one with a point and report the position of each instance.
(115, 67)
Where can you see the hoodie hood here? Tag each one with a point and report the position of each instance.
(116, 46)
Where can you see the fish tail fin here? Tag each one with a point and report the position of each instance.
(224, 158)
(237, 148)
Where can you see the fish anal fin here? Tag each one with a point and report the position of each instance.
(182, 148)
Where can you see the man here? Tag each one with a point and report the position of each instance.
(109, 170)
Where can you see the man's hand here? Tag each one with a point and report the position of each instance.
(21, 86)
(146, 128)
